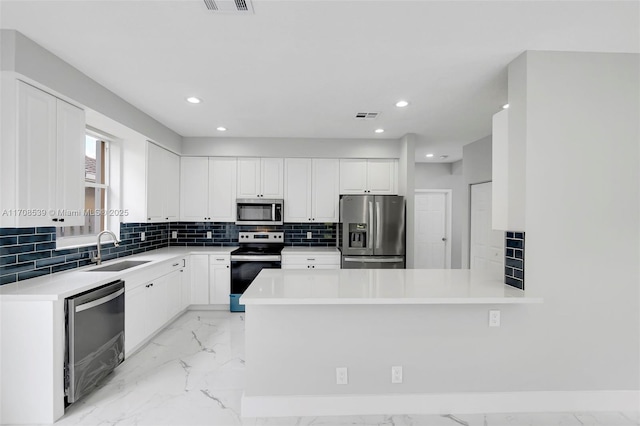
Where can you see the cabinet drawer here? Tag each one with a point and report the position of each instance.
(219, 259)
(311, 259)
(149, 273)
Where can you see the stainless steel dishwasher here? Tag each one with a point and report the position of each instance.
(94, 337)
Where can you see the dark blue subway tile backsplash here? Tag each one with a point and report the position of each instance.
(31, 252)
(514, 259)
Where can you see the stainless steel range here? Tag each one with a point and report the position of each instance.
(258, 250)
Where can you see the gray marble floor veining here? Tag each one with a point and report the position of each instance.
(192, 373)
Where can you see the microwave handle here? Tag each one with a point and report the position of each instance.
(273, 211)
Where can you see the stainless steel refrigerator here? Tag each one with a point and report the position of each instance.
(372, 231)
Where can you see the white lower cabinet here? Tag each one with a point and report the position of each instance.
(311, 260)
(219, 279)
(210, 279)
(151, 303)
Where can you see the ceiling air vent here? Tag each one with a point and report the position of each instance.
(367, 115)
(239, 7)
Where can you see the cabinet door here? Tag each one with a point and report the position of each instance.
(219, 284)
(194, 188)
(353, 176)
(326, 190)
(248, 183)
(155, 183)
(222, 189)
(171, 201)
(272, 178)
(136, 327)
(158, 302)
(381, 176)
(185, 283)
(298, 189)
(173, 294)
(70, 135)
(36, 155)
(199, 279)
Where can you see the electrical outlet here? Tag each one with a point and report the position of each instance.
(174, 234)
(142, 236)
(494, 318)
(209, 234)
(309, 235)
(342, 377)
(396, 374)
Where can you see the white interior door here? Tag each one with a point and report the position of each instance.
(487, 245)
(432, 231)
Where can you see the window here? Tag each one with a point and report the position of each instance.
(96, 186)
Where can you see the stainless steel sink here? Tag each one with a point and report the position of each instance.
(120, 266)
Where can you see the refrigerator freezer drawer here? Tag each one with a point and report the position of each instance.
(372, 262)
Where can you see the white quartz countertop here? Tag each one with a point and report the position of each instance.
(65, 284)
(379, 286)
(310, 250)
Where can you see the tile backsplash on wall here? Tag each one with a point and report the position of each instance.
(226, 234)
(31, 252)
(514, 260)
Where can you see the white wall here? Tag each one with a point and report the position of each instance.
(447, 176)
(476, 168)
(283, 147)
(25, 57)
(406, 187)
(582, 215)
(582, 257)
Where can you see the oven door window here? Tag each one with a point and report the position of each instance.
(243, 273)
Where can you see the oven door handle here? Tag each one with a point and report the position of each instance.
(100, 301)
(256, 258)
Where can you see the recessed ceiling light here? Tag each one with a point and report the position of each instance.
(429, 155)
(402, 104)
(193, 100)
(379, 130)
(221, 129)
(505, 106)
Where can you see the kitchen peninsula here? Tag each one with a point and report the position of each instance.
(303, 325)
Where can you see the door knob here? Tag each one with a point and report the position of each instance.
(444, 239)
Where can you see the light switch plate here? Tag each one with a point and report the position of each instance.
(142, 236)
(309, 235)
(174, 234)
(208, 234)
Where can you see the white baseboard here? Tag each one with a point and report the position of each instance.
(454, 403)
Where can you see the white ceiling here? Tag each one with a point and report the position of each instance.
(303, 69)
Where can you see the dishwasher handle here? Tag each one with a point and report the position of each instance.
(100, 301)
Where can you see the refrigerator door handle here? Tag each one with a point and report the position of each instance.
(378, 225)
(370, 224)
(374, 260)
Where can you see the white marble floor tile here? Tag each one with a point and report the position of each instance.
(192, 373)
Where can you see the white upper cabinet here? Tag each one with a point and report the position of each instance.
(163, 184)
(311, 190)
(194, 188)
(222, 189)
(48, 161)
(361, 176)
(208, 189)
(260, 178)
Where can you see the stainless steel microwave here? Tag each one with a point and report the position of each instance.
(259, 211)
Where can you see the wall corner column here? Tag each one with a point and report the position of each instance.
(407, 188)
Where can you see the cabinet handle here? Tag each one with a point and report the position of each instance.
(62, 220)
(55, 219)
(311, 259)
(220, 260)
(227, 266)
(176, 264)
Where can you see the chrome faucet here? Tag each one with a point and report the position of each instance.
(98, 258)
